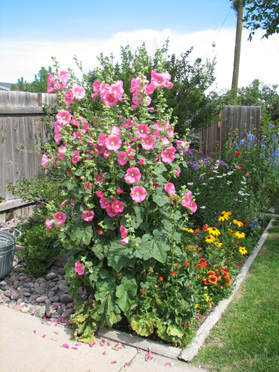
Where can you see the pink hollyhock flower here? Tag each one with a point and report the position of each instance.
(75, 157)
(79, 268)
(130, 153)
(169, 85)
(168, 156)
(63, 204)
(100, 178)
(117, 89)
(87, 216)
(104, 203)
(77, 135)
(78, 92)
(113, 142)
(170, 188)
(187, 202)
(149, 89)
(158, 79)
(166, 142)
(142, 131)
(63, 117)
(119, 191)
(44, 160)
(102, 139)
(177, 172)
(132, 175)
(115, 130)
(60, 217)
(149, 142)
(87, 185)
(141, 161)
(96, 86)
(247, 174)
(50, 90)
(100, 232)
(138, 193)
(182, 145)
(123, 232)
(238, 166)
(63, 76)
(48, 224)
(57, 85)
(122, 158)
(151, 109)
(68, 95)
(117, 206)
(61, 152)
(124, 241)
(135, 84)
(106, 154)
(75, 121)
(100, 194)
(50, 79)
(109, 98)
(110, 211)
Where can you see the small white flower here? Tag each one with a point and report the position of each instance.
(190, 183)
(203, 207)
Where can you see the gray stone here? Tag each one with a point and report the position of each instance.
(61, 271)
(49, 310)
(54, 299)
(25, 309)
(8, 293)
(40, 290)
(26, 294)
(12, 304)
(3, 283)
(51, 276)
(67, 313)
(55, 315)
(51, 294)
(41, 299)
(40, 311)
(65, 298)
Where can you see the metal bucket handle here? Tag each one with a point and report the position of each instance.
(18, 232)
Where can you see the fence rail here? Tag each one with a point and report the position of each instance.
(243, 118)
(21, 132)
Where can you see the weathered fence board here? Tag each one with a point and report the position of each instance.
(21, 132)
(241, 118)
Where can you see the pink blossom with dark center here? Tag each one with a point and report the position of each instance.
(122, 158)
(117, 206)
(78, 92)
(60, 217)
(87, 216)
(132, 175)
(168, 155)
(113, 142)
(100, 178)
(149, 142)
(63, 117)
(75, 157)
(138, 193)
(170, 188)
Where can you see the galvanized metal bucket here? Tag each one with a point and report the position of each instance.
(7, 250)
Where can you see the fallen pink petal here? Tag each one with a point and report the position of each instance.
(113, 362)
(35, 332)
(104, 353)
(168, 364)
(74, 348)
(44, 335)
(65, 345)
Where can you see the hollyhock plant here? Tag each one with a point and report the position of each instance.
(125, 207)
(44, 160)
(63, 117)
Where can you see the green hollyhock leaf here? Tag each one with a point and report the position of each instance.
(82, 234)
(126, 293)
(143, 325)
(160, 198)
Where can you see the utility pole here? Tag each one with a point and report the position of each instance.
(237, 45)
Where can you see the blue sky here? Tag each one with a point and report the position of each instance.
(31, 32)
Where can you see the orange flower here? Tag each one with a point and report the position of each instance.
(205, 227)
(142, 291)
(201, 277)
(197, 231)
(227, 279)
(198, 266)
(173, 272)
(212, 279)
(211, 273)
(203, 262)
(206, 282)
(160, 279)
(237, 153)
(186, 263)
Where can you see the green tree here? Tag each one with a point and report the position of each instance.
(260, 14)
(38, 85)
(189, 99)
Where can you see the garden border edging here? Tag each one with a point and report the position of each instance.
(188, 353)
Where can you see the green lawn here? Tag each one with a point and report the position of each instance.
(246, 338)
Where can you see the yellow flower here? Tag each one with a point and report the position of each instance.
(209, 239)
(242, 250)
(239, 234)
(224, 216)
(207, 298)
(213, 231)
(188, 230)
(238, 223)
(218, 243)
(230, 231)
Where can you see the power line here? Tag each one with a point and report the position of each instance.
(267, 48)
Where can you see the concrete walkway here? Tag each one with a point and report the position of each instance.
(28, 344)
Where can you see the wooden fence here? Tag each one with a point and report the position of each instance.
(21, 132)
(243, 118)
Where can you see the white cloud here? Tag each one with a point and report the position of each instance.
(259, 58)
